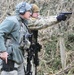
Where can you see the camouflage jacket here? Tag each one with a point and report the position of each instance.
(42, 22)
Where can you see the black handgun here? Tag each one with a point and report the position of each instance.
(67, 14)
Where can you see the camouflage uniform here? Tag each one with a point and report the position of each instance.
(42, 22)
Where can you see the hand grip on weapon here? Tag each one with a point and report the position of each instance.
(28, 36)
(63, 16)
(26, 40)
(4, 56)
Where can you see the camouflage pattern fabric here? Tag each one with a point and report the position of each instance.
(41, 22)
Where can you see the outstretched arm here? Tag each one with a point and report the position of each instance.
(45, 22)
(42, 22)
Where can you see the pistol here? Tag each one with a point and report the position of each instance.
(67, 14)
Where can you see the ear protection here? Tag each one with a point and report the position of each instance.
(22, 8)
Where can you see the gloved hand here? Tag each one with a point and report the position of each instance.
(61, 17)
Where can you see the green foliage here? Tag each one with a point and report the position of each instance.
(71, 72)
(56, 65)
(70, 42)
(51, 46)
(50, 54)
(40, 72)
(43, 10)
(71, 37)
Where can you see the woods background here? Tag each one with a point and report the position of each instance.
(57, 54)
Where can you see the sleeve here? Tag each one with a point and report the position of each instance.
(5, 28)
(42, 22)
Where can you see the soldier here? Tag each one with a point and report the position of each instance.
(38, 22)
(12, 31)
(35, 23)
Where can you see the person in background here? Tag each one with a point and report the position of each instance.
(38, 22)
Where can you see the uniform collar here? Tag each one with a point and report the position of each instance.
(22, 20)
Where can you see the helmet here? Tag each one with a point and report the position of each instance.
(35, 8)
(22, 7)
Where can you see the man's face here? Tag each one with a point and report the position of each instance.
(27, 15)
(35, 15)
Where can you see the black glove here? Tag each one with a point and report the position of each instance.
(61, 17)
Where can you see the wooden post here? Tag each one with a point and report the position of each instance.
(62, 52)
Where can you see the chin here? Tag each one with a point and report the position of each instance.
(27, 18)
